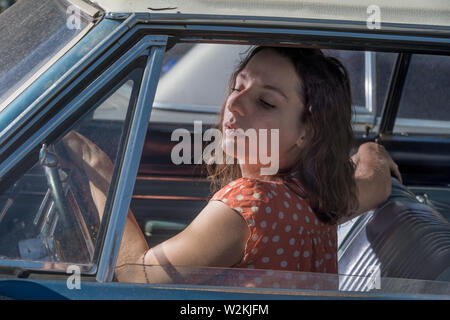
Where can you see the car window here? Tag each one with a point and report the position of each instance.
(28, 41)
(195, 77)
(48, 213)
(425, 101)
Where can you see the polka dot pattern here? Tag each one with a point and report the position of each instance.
(285, 232)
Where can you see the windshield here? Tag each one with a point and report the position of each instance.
(31, 32)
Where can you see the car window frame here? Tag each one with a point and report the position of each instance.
(150, 48)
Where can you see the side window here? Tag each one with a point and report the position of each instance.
(189, 69)
(424, 104)
(49, 212)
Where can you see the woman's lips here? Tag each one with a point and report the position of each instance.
(231, 129)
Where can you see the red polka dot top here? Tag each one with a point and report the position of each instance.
(285, 233)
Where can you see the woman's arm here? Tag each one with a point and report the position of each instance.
(373, 171)
(216, 237)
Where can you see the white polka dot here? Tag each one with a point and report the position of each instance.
(255, 251)
(241, 187)
(287, 195)
(250, 266)
(254, 209)
(251, 223)
(238, 209)
(300, 231)
(263, 224)
(268, 209)
(288, 276)
(255, 237)
(275, 238)
(315, 241)
(283, 264)
(276, 285)
(296, 254)
(327, 256)
(265, 239)
(302, 242)
(287, 228)
(274, 193)
(274, 225)
(256, 195)
(316, 222)
(265, 259)
(306, 254)
(258, 280)
(280, 251)
(307, 219)
(292, 241)
(298, 205)
(227, 190)
(286, 204)
(310, 210)
(295, 217)
(232, 183)
(270, 195)
(225, 200)
(316, 264)
(281, 215)
(269, 272)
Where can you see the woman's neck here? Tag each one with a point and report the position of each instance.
(254, 172)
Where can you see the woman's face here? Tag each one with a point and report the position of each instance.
(266, 95)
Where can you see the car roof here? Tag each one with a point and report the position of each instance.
(415, 12)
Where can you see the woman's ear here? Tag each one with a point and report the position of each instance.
(300, 141)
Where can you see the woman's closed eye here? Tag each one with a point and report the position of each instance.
(266, 105)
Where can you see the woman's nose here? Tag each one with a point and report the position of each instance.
(237, 103)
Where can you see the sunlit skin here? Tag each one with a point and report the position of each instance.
(266, 98)
(217, 236)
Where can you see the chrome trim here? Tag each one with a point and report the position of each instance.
(370, 83)
(130, 163)
(85, 7)
(87, 269)
(405, 125)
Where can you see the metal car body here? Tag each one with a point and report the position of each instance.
(99, 69)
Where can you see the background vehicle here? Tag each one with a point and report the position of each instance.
(97, 69)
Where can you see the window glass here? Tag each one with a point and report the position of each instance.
(425, 102)
(195, 77)
(30, 34)
(52, 213)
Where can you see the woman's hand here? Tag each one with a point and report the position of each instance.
(370, 154)
(374, 167)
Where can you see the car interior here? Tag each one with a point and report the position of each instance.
(407, 237)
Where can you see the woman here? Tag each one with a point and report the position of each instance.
(285, 221)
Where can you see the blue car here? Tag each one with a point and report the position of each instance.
(121, 74)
